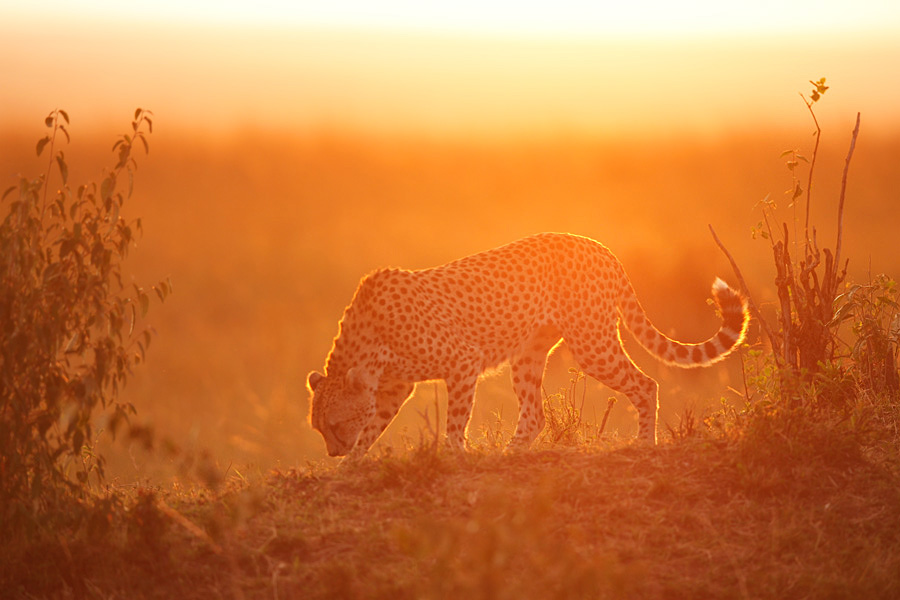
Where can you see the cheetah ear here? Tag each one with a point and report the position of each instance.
(357, 379)
(313, 380)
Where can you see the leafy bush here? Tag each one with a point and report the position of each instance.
(873, 315)
(68, 323)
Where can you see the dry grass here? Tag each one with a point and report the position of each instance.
(704, 517)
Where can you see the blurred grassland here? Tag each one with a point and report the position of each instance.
(265, 237)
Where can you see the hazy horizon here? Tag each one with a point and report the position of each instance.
(444, 84)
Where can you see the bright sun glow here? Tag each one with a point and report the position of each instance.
(517, 17)
(450, 67)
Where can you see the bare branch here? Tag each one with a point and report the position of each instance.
(840, 231)
(784, 280)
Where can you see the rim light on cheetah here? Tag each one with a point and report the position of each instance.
(514, 303)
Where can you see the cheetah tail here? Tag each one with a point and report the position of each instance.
(735, 320)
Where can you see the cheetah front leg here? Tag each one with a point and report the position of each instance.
(390, 397)
(527, 373)
(460, 398)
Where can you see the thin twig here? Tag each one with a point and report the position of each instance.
(189, 525)
(609, 404)
(754, 310)
(200, 534)
(812, 168)
(437, 419)
(784, 281)
(49, 164)
(744, 374)
(837, 247)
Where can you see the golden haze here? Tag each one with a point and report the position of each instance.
(210, 78)
(266, 237)
(285, 166)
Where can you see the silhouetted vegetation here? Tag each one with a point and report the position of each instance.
(69, 327)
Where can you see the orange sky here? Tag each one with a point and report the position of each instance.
(454, 69)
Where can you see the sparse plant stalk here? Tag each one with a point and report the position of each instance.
(803, 342)
(819, 89)
(609, 404)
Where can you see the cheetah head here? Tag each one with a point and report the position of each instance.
(340, 407)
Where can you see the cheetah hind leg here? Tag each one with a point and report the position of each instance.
(616, 370)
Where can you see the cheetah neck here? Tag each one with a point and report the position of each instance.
(358, 342)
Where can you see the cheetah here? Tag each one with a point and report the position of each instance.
(514, 303)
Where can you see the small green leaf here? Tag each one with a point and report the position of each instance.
(114, 217)
(65, 115)
(63, 167)
(41, 143)
(144, 299)
(137, 113)
(107, 187)
(841, 314)
(162, 290)
(77, 443)
(124, 151)
(65, 248)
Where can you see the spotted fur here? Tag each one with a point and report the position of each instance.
(513, 303)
